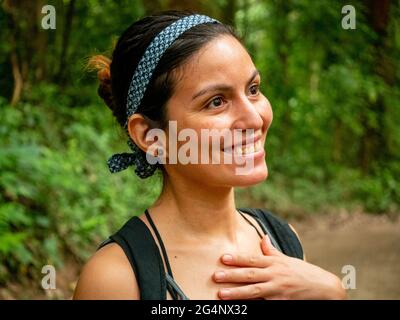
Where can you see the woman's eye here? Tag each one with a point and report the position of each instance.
(215, 103)
(254, 89)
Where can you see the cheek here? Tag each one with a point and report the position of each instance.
(266, 113)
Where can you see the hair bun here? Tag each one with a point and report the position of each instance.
(101, 64)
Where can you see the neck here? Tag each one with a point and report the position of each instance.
(204, 212)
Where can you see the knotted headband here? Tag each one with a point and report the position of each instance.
(140, 79)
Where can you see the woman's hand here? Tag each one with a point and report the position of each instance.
(276, 276)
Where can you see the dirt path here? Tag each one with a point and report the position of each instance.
(369, 243)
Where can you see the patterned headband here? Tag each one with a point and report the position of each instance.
(138, 85)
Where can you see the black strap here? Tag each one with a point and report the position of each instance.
(280, 230)
(170, 284)
(249, 222)
(140, 248)
(264, 228)
(161, 243)
(174, 289)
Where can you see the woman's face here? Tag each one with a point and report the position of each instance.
(218, 88)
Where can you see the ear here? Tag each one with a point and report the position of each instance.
(138, 127)
(148, 138)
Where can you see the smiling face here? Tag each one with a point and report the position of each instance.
(218, 88)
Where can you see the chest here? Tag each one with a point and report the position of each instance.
(193, 270)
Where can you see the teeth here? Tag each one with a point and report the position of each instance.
(257, 146)
(248, 149)
(238, 150)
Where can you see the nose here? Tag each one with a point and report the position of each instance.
(247, 114)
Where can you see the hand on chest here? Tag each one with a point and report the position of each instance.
(194, 269)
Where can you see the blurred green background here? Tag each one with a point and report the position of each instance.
(334, 143)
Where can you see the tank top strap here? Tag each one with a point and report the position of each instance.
(277, 229)
(264, 228)
(161, 243)
(172, 286)
(138, 244)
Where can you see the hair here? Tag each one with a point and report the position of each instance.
(115, 75)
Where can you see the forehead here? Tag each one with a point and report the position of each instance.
(223, 60)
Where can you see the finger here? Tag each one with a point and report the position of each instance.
(253, 291)
(243, 260)
(242, 275)
(267, 247)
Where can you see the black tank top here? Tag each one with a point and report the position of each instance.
(144, 256)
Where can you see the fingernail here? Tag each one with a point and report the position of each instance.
(224, 293)
(219, 275)
(227, 258)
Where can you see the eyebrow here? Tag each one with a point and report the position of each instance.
(223, 87)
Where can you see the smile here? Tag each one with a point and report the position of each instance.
(245, 149)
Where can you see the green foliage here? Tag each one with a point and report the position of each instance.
(334, 141)
(57, 193)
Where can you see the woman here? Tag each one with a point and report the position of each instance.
(192, 71)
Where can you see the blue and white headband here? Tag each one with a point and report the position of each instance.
(137, 89)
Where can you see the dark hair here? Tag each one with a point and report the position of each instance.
(116, 77)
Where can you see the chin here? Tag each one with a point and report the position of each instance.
(246, 170)
(252, 177)
(230, 177)
(227, 175)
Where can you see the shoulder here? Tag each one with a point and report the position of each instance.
(107, 275)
